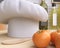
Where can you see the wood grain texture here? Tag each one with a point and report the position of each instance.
(14, 41)
(27, 44)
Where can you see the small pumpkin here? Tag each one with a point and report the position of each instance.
(57, 39)
(41, 38)
(53, 34)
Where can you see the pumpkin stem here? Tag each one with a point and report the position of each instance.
(39, 31)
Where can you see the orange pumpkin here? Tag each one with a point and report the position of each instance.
(53, 34)
(57, 39)
(41, 38)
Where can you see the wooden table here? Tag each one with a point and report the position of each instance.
(27, 44)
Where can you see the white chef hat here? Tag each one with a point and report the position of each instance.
(21, 8)
(34, 13)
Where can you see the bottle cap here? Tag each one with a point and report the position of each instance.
(53, 4)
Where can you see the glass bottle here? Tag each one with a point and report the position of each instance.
(44, 5)
(53, 17)
(43, 25)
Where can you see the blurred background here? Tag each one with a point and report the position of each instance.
(49, 7)
(5, 27)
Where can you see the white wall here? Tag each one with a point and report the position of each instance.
(48, 3)
(39, 1)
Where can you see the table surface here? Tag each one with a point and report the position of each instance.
(27, 44)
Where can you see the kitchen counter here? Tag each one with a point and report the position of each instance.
(27, 44)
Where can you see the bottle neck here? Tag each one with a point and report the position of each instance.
(43, 3)
(54, 9)
(43, 0)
